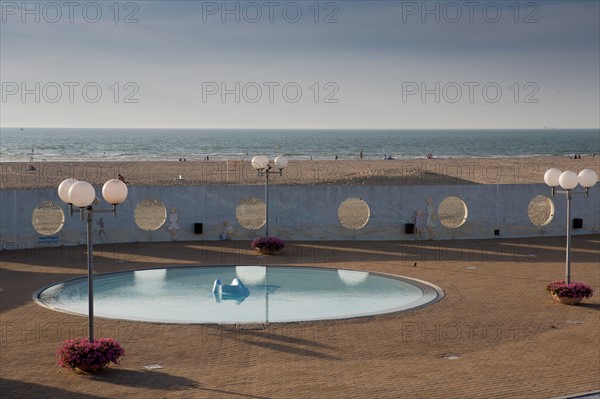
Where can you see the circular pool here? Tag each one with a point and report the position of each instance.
(273, 294)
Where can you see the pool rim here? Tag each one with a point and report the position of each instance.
(425, 286)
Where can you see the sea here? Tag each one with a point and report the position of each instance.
(85, 144)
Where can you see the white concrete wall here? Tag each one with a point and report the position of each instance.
(304, 213)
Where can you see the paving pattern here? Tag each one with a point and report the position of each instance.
(496, 334)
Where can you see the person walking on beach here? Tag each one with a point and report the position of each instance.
(361, 154)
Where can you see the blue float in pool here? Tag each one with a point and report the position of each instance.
(236, 290)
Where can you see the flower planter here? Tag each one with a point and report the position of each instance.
(89, 357)
(263, 251)
(567, 300)
(268, 245)
(89, 370)
(569, 294)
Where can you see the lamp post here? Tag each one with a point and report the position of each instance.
(82, 195)
(261, 164)
(568, 180)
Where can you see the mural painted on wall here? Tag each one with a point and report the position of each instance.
(173, 223)
(228, 231)
(101, 233)
(419, 221)
(431, 217)
(425, 220)
(441, 209)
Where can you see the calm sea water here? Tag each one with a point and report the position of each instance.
(196, 144)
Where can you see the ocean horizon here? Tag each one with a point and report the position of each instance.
(137, 144)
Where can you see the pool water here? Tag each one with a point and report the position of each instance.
(276, 294)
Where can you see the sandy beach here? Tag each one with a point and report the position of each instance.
(341, 172)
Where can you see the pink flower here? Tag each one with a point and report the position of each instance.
(82, 353)
(573, 290)
(268, 243)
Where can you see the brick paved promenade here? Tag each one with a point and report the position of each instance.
(511, 339)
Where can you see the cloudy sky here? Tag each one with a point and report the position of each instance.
(301, 64)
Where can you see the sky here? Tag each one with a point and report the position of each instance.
(301, 64)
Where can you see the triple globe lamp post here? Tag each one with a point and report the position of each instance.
(569, 180)
(262, 165)
(82, 195)
(264, 168)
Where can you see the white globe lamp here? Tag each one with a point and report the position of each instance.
(280, 162)
(63, 189)
(82, 194)
(260, 162)
(587, 178)
(568, 180)
(114, 191)
(551, 177)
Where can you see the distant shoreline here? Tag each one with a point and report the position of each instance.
(501, 170)
(304, 158)
(132, 145)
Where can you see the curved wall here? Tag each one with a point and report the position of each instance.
(302, 213)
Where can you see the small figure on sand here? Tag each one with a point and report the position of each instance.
(336, 157)
(361, 155)
(173, 225)
(430, 156)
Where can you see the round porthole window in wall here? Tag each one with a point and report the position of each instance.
(251, 213)
(354, 213)
(540, 210)
(452, 212)
(48, 218)
(150, 214)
